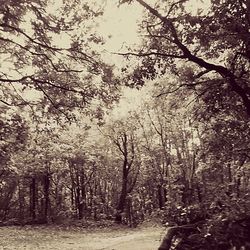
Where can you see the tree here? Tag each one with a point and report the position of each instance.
(125, 141)
(47, 53)
(13, 133)
(198, 39)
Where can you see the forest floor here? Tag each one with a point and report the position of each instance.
(53, 237)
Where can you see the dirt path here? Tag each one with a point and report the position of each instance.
(30, 238)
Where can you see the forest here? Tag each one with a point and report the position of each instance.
(143, 118)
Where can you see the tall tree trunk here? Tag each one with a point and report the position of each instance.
(78, 196)
(83, 192)
(79, 203)
(123, 146)
(21, 201)
(33, 198)
(94, 201)
(161, 196)
(122, 201)
(46, 196)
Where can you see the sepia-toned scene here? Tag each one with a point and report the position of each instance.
(125, 124)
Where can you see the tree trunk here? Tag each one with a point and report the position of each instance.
(122, 201)
(21, 201)
(161, 196)
(94, 201)
(33, 198)
(83, 191)
(46, 196)
(78, 203)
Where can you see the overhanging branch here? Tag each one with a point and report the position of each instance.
(187, 54)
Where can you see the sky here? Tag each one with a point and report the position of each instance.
(120, 24)
(119, 27)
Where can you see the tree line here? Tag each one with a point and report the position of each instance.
(181, 156)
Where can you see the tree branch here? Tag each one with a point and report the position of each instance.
(150, 54)
(48, 47)
(187, 54)
(116, 142)
(15, 80)
(172, 231)
(42, 55)
(53, 103)
(177, 88)
(57, 86)
(154, 125)
(6, 103)
(44, 45)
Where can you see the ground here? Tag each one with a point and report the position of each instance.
(51, 237)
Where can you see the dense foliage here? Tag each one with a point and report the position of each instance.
(47, 51)
(183, 156)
